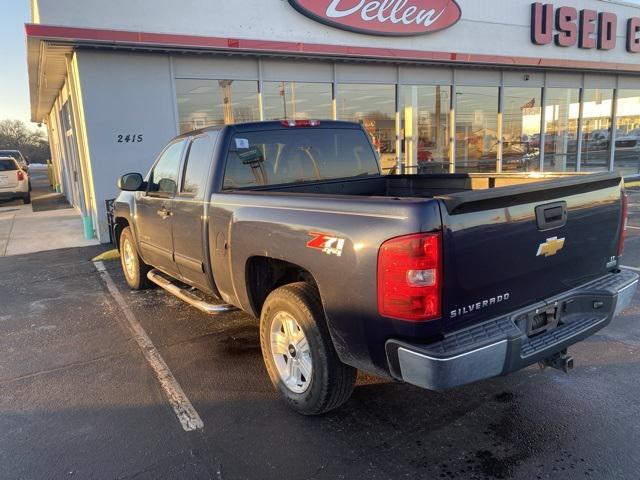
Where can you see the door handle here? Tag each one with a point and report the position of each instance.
(164, 212)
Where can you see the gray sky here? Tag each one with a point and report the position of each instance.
(14, 85)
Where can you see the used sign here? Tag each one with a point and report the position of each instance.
(588, 29)
(383, 17)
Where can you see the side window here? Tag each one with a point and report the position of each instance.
(164, 176)
(196, 171)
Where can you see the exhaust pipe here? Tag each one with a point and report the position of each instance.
(560, 361)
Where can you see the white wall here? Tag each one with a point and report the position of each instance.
(498, 27)
(124, 94)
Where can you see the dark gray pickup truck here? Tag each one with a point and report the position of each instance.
(434, 280)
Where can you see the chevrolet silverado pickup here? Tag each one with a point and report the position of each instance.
(435, 280)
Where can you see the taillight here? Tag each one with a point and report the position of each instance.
(410, 277)
(301, 123)
(20, 175)
(624, 224)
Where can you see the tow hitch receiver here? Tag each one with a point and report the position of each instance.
(560, 361)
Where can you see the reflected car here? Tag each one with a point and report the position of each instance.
(517, 156)
(630, 141)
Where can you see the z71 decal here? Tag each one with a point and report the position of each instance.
(326, 243)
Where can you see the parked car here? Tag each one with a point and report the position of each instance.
(426, 279)
(630, 141)
(23, 162)
(14, 181)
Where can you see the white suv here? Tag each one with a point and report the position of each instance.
(14, 181)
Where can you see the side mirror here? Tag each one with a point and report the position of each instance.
(131, 182)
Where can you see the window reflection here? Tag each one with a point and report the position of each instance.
(521, 129)
(476, 129)
(203, 103)
(297, 101)
(425, 128)
(627, 154)
(596, 131)
(373, 106)
(562, 110)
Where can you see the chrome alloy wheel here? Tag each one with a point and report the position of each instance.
(129, 259)
(291, 353)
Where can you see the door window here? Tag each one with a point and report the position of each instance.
(163, 180)
(196, 171)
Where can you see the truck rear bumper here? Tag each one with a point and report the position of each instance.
(501, 346)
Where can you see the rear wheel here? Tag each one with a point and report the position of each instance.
(27, 198)
(135, 270)
(299, 354)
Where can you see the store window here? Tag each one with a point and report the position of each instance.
(627, 154)
(476, 129)
(596, 130)
(425, 128)
(374, 106)
(562, 111)
(203, 103)
(521, 129)
(297, 101)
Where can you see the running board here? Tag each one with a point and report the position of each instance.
(209, 308)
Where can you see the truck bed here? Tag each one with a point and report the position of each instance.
(423, 186)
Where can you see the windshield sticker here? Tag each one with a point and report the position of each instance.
(242, 143)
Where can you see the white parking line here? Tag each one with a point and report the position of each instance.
(634, 228)
(630, 268)
(183, 408)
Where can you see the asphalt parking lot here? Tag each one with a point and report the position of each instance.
(79, 400)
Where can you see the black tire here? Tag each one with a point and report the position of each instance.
(137, 278)
(27, 199)
(332, 381)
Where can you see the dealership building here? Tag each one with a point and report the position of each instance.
(441, 86)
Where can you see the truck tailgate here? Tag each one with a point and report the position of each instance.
(510, 247)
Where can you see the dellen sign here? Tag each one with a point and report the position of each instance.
(383, 17)
(588, 29)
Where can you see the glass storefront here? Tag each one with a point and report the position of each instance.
(373, 106)
(627, 154)
(476, 129)
(522, 113)
(425, 114)
(562, 111)
(297, 101)
(425, 120)
(596, 130)
(204, 103)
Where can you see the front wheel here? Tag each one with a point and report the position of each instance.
(135, 270)
(299, 354)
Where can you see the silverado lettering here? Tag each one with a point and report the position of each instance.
(479, 305)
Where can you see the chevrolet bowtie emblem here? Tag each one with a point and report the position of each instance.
(551, 247)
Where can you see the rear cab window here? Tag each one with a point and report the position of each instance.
(297, 155)
(7, 165)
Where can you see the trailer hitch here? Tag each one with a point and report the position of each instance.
(560, 361)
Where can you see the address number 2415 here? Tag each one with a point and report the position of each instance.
(130, 138)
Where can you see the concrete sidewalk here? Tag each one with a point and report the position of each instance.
(24, 231)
